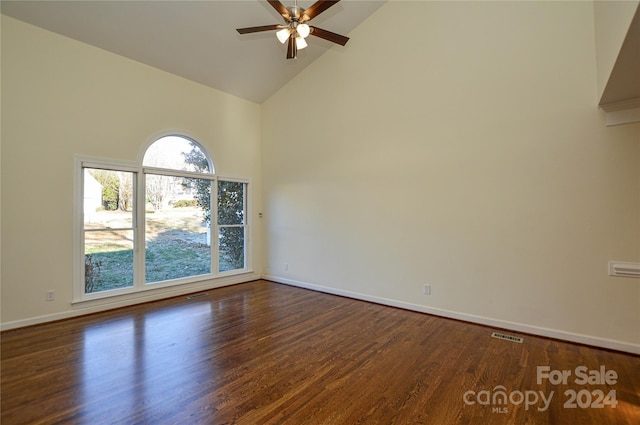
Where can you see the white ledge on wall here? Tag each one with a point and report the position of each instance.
(621, 269)
(622, 112)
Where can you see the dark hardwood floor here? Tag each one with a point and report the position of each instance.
(265, 353)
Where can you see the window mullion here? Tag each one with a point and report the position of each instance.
(112, 229)
(214, 228)
(177, 173)
(247, 255)
(140, 232)
(109, 166)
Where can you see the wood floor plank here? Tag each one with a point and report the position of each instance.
(265, 353)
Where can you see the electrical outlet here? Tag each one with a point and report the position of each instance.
(286, 267)
(427, 289)
(51, 295)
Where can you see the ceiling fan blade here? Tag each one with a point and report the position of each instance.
(316, 9)
(328, 35)
(258, 29)
(280, 8)
(292, 48)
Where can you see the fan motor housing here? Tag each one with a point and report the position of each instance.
(295, 12)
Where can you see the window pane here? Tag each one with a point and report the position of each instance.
(230, 203)
(231, 248)
(108, 199)
(108, 260)
(176, 153)
(177, 228)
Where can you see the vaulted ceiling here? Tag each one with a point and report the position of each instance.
(624, 81)
(196, 39)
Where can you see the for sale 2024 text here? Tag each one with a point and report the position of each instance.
(582, 375)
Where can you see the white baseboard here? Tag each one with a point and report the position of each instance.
(104, 304)
(502, 324)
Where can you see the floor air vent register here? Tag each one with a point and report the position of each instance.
(507, 337)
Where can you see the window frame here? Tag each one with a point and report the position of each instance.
(246, 226)
(81, 163)
(139, 226)
(214, 250)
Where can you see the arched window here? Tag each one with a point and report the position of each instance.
(194, 222)
(177, 153)
(178, 184)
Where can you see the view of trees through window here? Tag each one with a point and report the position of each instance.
(231, 225)
(178, 224)
(177, 241)
(108, 229)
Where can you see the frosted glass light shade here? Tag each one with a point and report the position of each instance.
(283, 35)
(303, 30)
(300, 43)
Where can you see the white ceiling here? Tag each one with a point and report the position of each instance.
(195, 39)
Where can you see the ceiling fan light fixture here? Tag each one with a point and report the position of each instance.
(303, 30)
(283, 35)
(301, 43)
(295, 28)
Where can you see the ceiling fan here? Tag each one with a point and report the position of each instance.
(295, 29)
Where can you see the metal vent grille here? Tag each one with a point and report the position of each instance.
(507, 337)
(194, 296)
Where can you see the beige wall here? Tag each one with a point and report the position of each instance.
(461, 147)
(61, 98)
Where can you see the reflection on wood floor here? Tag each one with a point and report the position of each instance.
(262, 352)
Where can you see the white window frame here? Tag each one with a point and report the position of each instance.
(247, 228)
(214, 249)
(80, 163)
(139, 228)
